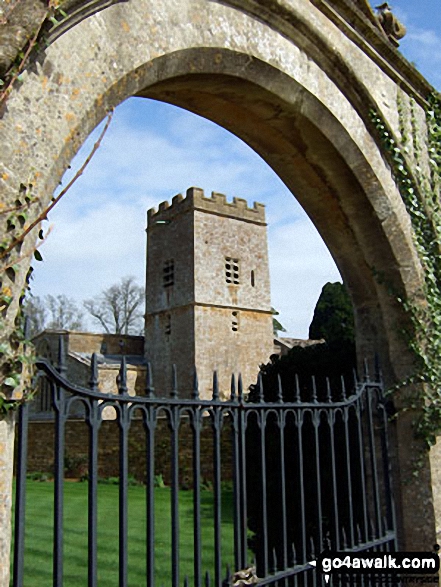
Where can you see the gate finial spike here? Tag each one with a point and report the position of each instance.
(328, 390)
(233, 388)
(260, 387)
(174, 387)
(366, 376)
(149, 389)
(240, 388)
(372, 529)
(311, 541)
(186, 581)
(354, 375)
(344, 538)
(274, 561)
(314, 389)
(121, 379)
(343, 388)
(228, 575)
(378, 374)
(215, 386)
(294, 554)
(297, 389)
(93, 381)
(207, 579)
(195, 394)
(359, 536)
(61, 356)
(279, 389)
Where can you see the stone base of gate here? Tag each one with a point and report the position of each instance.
(435, 466)
(417, 486)
(7, 427)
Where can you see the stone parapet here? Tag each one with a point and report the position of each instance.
(216, 204)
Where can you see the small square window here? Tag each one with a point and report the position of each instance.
(232, 270)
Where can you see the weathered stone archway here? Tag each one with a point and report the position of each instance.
(293, 81)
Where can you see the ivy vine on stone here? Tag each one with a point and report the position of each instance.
(420, 192)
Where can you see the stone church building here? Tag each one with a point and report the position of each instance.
(208, 291)
(207, 303)
(319, 90)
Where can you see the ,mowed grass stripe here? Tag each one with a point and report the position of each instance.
(39, 534)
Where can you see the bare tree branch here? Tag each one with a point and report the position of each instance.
(46, 211)
(118, 308)
(56, 312)
(20, 259)
(31, 45)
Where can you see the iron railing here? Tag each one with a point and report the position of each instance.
(305, 474)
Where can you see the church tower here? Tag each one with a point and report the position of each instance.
(208, 292)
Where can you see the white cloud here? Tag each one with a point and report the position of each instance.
(423, 46)
(84, 255)
(133, 163)
(422, 40)
(300, 264)
(99, 227)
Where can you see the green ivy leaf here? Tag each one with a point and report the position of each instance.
(11, 382)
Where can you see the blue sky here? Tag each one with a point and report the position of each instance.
(422, 43)
(153, 151)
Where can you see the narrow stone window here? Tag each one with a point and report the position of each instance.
(168, 273)
(235, 321)
(167, 328)
(253, 280)
(232, 270)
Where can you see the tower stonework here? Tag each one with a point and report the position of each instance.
(208, 292)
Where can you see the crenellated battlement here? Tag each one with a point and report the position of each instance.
(216, 204)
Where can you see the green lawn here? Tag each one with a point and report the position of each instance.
(39, 528)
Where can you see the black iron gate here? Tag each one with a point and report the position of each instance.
(298, 476)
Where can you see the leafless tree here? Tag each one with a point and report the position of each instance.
(53, 312)
(119, 308)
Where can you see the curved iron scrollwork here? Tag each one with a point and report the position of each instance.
(302, 474)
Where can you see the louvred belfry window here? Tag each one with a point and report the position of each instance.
(168, 273)
(232, 270)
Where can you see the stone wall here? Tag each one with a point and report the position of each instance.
(217, 237)
(78, 372)
(41, 451)
(297, 81)
(177, 348)
(88, 342)
(228, 351)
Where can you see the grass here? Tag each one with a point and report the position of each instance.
(39, 534)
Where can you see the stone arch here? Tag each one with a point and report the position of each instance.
(342, 191)
(292, 86)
